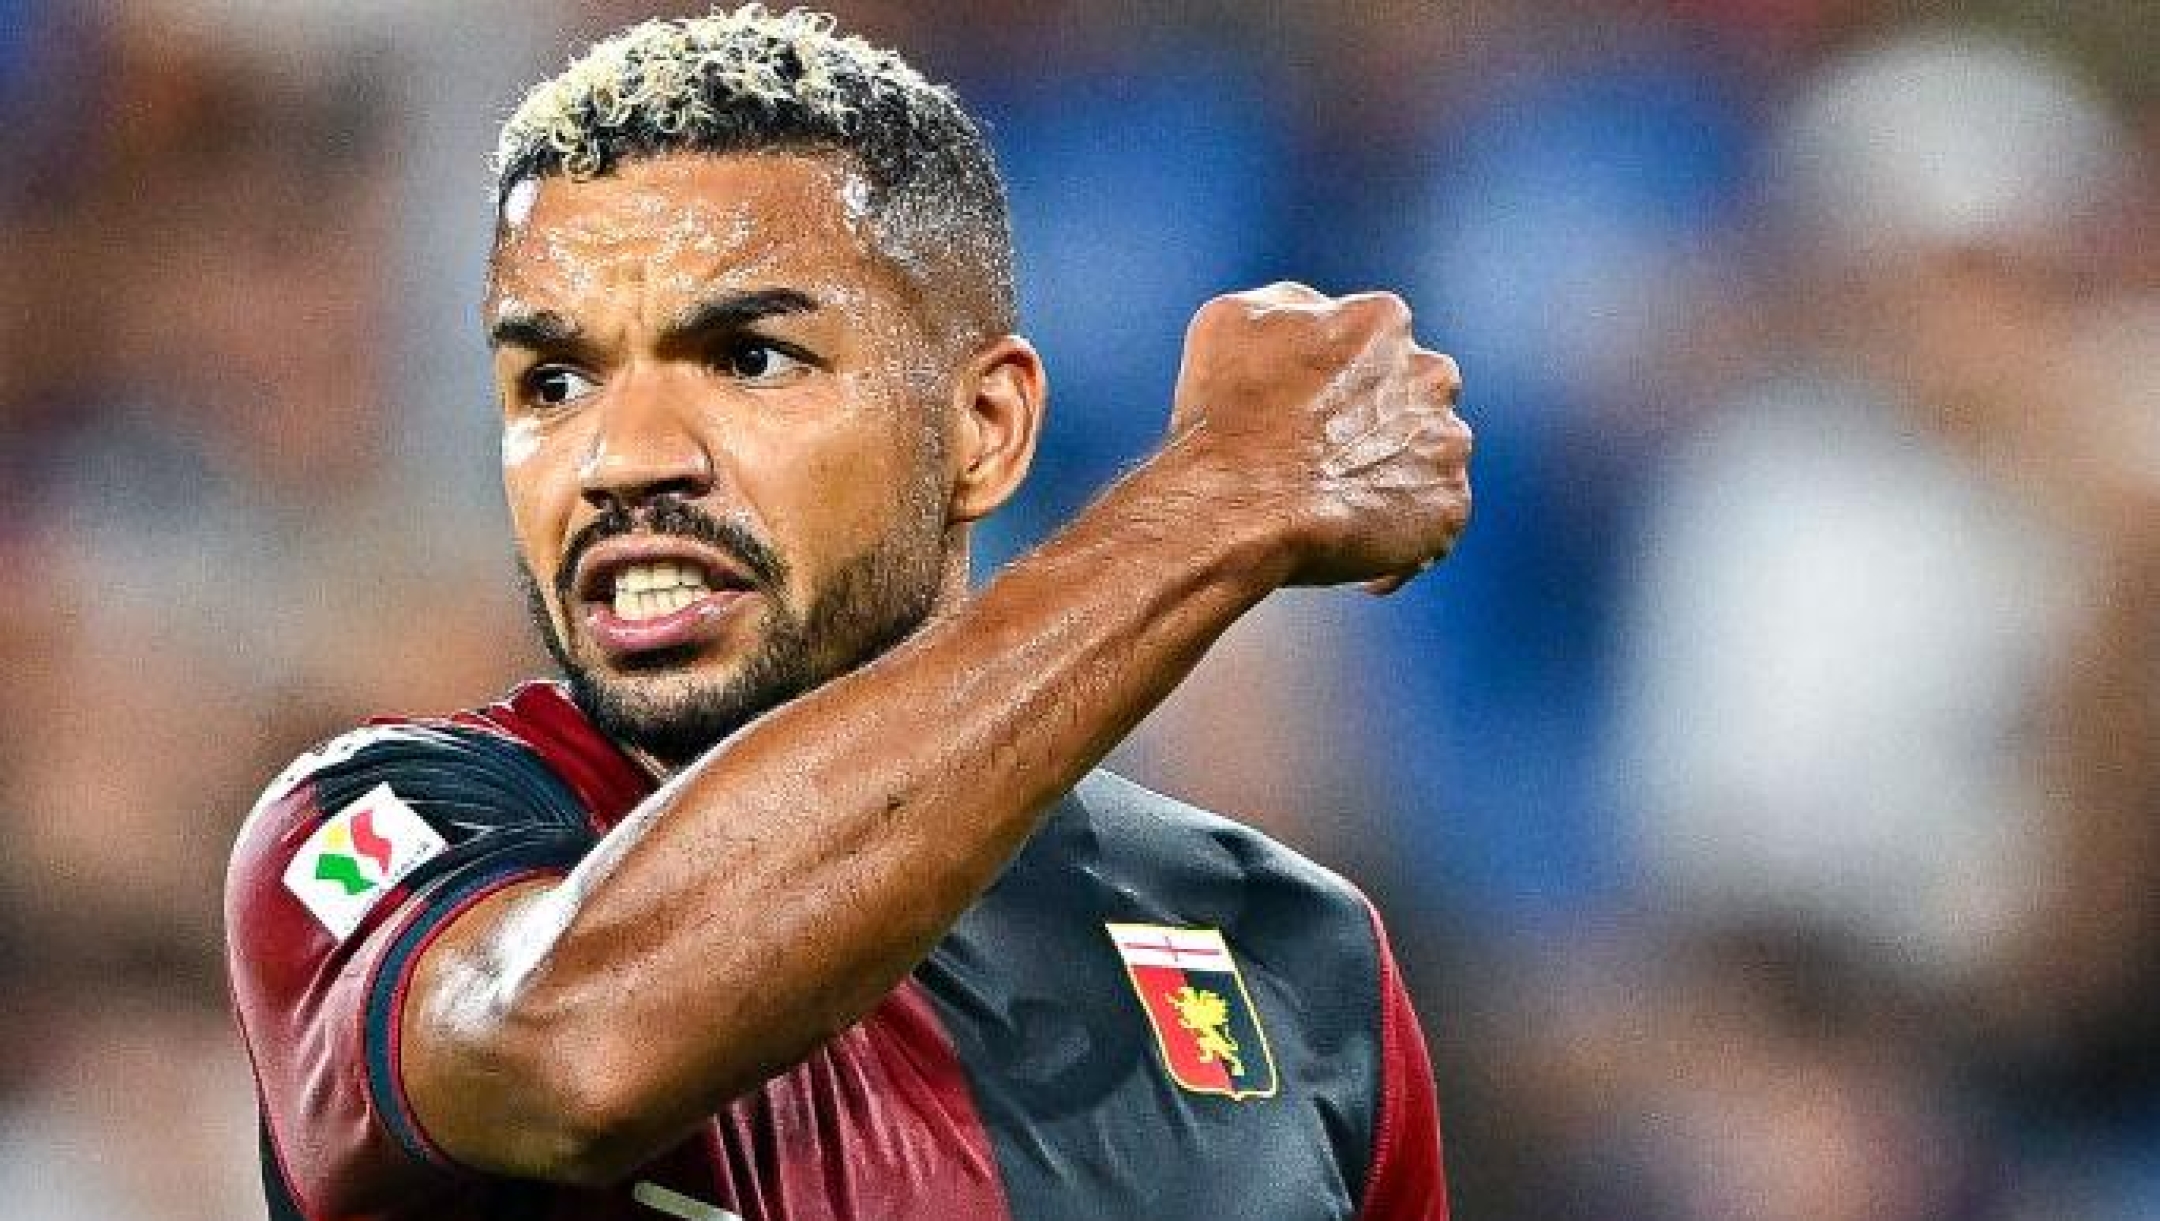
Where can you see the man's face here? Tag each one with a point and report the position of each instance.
(722, 437)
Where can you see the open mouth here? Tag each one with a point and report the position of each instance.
(643, 594)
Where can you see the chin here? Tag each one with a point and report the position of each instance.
(675, 708)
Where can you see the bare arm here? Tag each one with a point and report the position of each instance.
(771, 894)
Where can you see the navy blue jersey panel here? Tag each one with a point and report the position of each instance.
(1067, 1070)
(464, 781)
(494, 800)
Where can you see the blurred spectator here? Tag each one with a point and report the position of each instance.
(1867, 686)
(1860, 576)
(1754, 1071)
(214, 566)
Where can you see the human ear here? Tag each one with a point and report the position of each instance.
(998, 404)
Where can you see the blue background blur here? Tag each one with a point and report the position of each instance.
(1765, 797)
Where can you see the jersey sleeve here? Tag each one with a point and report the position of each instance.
(354, 859)
(1406, 1181)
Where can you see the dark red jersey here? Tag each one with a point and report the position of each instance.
(1154, 1013)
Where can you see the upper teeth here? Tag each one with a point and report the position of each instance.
(646, 591)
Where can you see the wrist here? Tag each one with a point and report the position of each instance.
(1213, 508)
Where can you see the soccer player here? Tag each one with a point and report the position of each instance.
(800, 899)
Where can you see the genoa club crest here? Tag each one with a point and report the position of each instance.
(1204, 1020)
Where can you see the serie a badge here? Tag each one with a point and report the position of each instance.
(357, 856)
(1204, 1019)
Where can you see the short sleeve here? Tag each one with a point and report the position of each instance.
(1407, 1182)
(352, 862)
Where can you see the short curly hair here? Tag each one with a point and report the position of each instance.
(751, 80)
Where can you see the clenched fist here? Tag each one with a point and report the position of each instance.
(1333, 423)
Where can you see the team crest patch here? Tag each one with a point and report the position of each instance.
(356, 857)
(1195, 1000)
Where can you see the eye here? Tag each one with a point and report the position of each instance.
(761, 360)
(557, 385)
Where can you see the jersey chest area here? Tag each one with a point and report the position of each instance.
(1025, 1072)
(1131, 1062)
(1102, 1035)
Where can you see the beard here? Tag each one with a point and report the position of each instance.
(662, 707)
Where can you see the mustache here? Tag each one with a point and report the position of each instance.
(677, 518)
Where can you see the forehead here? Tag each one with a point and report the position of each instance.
(678, 227)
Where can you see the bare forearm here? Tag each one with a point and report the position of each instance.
(778, 888)
(774, 891)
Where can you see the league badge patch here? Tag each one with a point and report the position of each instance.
(1203, 1017)
(356, 856)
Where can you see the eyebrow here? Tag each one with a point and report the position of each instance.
(539, 330)
(726, 315)
(548, 331)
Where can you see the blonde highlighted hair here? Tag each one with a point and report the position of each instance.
(752, 80)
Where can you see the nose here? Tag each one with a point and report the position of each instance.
(646, 443)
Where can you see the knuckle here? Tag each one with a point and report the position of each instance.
(1280, 293)
(1432, 368)
(1439, 370)
(1446, 371)
(1217, 308)
(1386, 308)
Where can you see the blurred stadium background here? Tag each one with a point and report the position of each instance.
(1766, 797)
